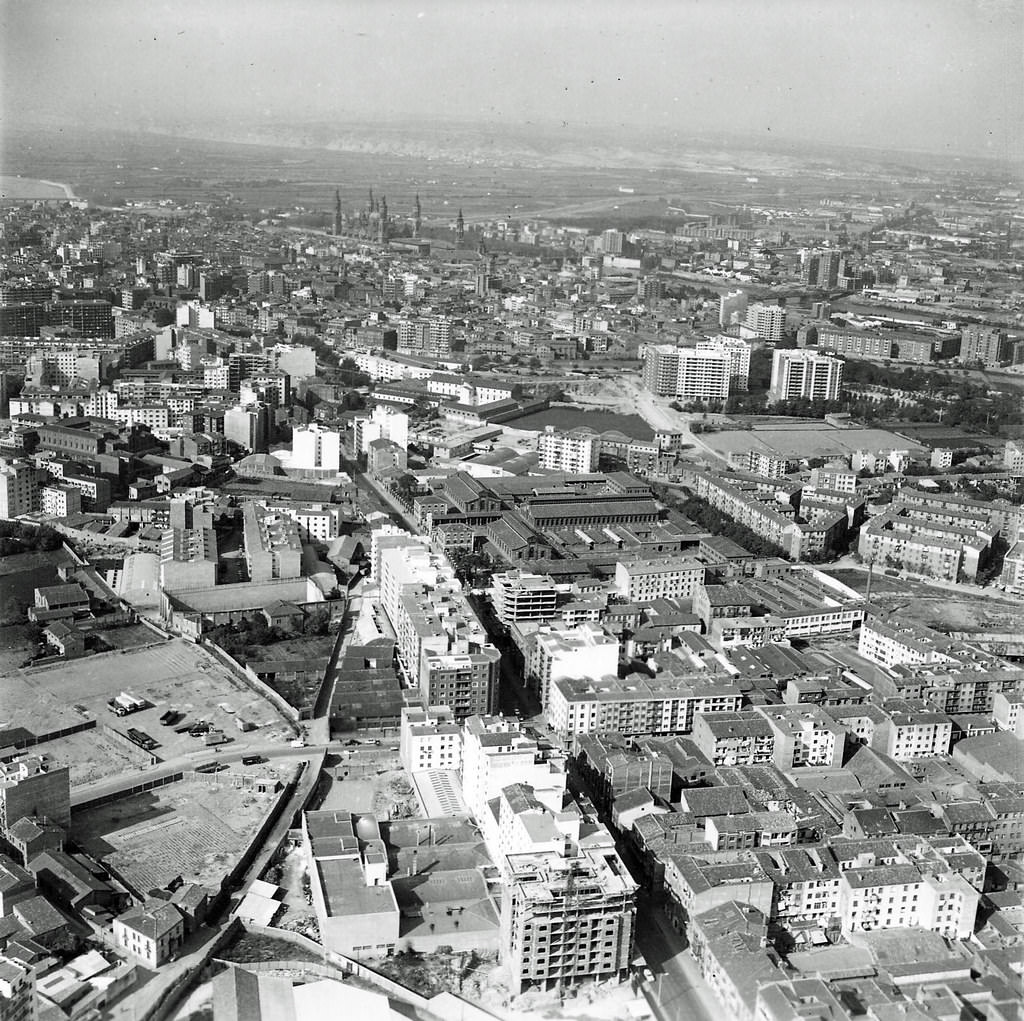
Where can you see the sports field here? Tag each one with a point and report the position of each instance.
(810, 439)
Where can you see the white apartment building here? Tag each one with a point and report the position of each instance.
(60, 500)
(573, 450)
(1013, 457)
(318, 522)
(429, 739)
(659, 578)
(388, 369)
(914, 734)
(19, 488)
(800, 373)
(385, 536)
(836, 480)
(102, 403)
(880, 460)
(155, 416)
(527, 826)
(314, 447)
(687, 374)
(902, 896)
(733, 308)
(1008, 710)
(216, 377)
(586, 650)
(767, 321)
(442, 649)
(804, 736)
(383, 423)
(739, 359)
(496, 754)
(667, 704)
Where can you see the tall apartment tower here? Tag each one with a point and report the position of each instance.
(612, 242)
(983, 344)
(802, 373)
(382, 222)
(574, 450)
(417, 219)
(567, 917)
(460, 227)
(337, 212)
(314, 447)
(19, 488)
(767, 321)
(687, 374)
(733, 308)
(248, 426)
(828, 268)
(739, 359)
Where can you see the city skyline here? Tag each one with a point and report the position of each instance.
(941, 77)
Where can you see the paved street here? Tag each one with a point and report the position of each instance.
(677, 992)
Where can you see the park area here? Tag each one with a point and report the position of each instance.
(193, 829)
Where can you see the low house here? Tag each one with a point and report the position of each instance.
(30, 836)
(44, 923)
(287, 616)
(152, 933)
(66, 639)
(16, 884)
(76, 881)
(193, 901)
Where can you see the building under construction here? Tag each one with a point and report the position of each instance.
(567, 916)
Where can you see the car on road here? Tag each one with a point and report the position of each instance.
(252, 760)
(297, 743)
(352, 741)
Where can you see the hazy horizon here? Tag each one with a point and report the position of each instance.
(926, 75)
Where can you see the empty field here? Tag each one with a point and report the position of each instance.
(192, 829)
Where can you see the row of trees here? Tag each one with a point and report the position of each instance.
(21, 537)
(237, 639)
(698, 510)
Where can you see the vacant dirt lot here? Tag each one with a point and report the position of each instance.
(173, 675)
(192, 829)
(91, 756)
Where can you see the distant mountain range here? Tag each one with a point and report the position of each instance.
(541, 146)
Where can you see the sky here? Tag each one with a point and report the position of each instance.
(939, 75)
